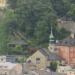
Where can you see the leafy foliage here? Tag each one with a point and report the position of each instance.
(33, 20)
(53, 66)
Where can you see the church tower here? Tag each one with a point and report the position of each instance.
(51, 46)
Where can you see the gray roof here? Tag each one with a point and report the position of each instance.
(44, 51)
(51, 56)
(18, 42)
(67, 42)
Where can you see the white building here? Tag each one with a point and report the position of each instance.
(7, 58)
(66, 70)
(8, 68)
(63, 69)
(71, 72)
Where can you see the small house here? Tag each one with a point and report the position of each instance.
(41, 59)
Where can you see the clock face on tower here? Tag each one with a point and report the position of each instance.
(51, 48)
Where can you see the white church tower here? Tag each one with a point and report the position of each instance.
(51, 46)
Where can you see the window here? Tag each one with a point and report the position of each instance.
(62, 70)
(37, 60)
(29, 61)
(1, 59)
(5, 73)
(5, 66)
(1, 66)
(70, 72)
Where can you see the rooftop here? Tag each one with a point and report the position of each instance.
(7, 65)
(66, 42)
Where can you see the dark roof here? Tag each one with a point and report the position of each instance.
(18, 42)
(51, 56)
(67, 42)
(44, 51)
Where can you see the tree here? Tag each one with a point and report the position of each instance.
(33, 19)
(53, 66)
(12, 3)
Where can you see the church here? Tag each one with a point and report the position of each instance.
(65, 49)
(42, 58)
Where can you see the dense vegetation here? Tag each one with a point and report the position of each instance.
(31, 20)
(53, 66)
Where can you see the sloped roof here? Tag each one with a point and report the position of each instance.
(51, 56)
(44, 52)
(67, 42)
(18, 42)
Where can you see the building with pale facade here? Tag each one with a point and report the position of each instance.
(67, 70)
(71, 72)
(63, 69)
(7, 58)
(8, 68)
(3, 3)
(41, 59)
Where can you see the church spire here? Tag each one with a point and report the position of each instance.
(51, 37)
(51, 34)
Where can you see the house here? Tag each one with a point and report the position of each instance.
(8, 68)
(71, 72)
(7, 58)
(17, 42)
(67, 70)
(63, 69)
(41, 59)
(19, 45)
(66, 50)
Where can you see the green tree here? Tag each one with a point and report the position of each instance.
(35, 18)
(53, 66)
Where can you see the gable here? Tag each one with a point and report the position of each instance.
(37, 54)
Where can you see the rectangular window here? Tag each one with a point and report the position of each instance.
(37, 60)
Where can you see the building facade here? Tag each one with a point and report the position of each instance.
(7, 58)
(38, 59)
(8, 68)
(3, 3)
(66, 50)
(41, 59)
